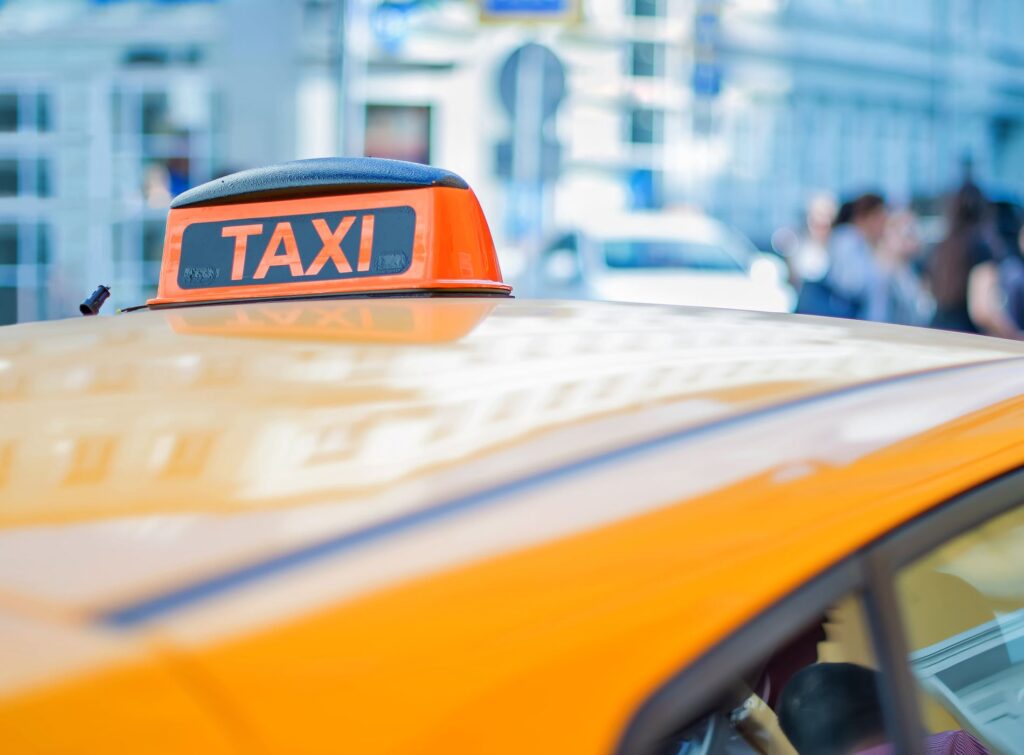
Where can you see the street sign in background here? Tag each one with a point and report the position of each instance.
(707, 65)
(531, 86)
(545, 66)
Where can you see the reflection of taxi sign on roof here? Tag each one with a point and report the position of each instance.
(328, 226)
(409, 321)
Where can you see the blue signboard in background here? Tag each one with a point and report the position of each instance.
(707, 79)
(528, 10)
(707, 70)
(390, 24)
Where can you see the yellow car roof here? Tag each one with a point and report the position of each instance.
(402, 523)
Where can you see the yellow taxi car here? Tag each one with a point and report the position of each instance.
(334, 490)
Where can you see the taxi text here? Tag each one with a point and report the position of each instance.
(282, 251)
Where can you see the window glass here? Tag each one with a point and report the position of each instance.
(659, 253)
(43, 186)
(8, 244)
(963, 612)
(8, 177)
(645, 7)
(398, 132)
(42, 115)
(27, 177)
(317, 16)
(29, 112)
(155, 113)
(643, 59)
(8, 111)
(644, 125)
(43, 244)
(818, 692)
(8, 305)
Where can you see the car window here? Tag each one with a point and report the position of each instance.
(817, 691)
(962, 608)
(669, 253)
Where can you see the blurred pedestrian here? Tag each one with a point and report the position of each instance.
(808, 256)
(854, 285)
(909, 300)
(964, 270)
(844, 214)
(1011, 281)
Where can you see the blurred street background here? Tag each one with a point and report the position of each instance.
(722, 136)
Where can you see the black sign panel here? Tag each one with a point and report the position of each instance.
(319, 246)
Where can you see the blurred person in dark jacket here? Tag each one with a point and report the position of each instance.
(909, 301)
(1011, 281)
(855, 285)
(964, 270)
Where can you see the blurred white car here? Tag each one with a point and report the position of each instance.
(663, 258)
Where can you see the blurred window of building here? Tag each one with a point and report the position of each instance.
(24, 269)
(645, 59)
(8, 112)
(41, 113)
(398, 132)
(8, 305)
(154, 113)
(8, 177)
(145, 56)
(318, 16)
(8, 244)
(644, 125)
(25, 176)
(43, 256)
(24, 111)
(155, 56)
(1007, 146)
(648, 8)
(42, 184)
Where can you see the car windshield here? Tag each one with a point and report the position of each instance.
(668, 253)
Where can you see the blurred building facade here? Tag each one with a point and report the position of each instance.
(108, 108)
(849, 95)
(741, 107)
(744, 108)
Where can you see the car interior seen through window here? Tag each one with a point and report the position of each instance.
(963, 612)
(960, 610)
(818, 692)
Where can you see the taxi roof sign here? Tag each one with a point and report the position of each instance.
(327, 227)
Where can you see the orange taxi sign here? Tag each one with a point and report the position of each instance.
(332, 226)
